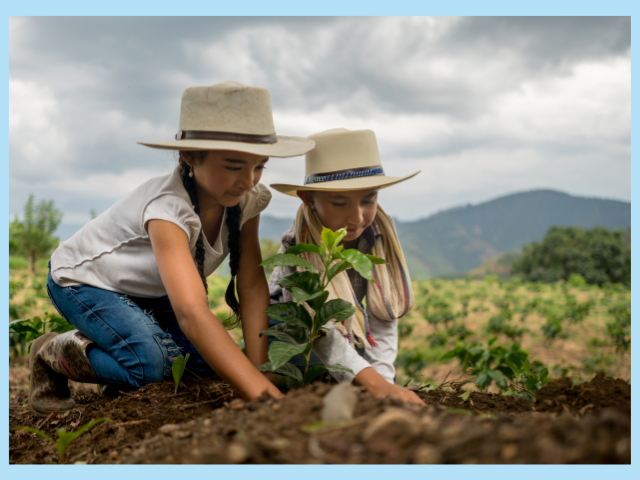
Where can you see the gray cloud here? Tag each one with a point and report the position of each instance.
(439, 92)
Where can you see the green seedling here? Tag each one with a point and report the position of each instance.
(465, 396)
(619, 327)
(300, 327)
(177, 369)
(23, 332)
(488, 362)
(64, 437)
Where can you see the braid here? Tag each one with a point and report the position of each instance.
(190, 185)
(233, 225)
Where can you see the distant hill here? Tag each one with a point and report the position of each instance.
(459, 239)
(462, 238)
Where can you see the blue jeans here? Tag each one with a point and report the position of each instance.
(136, 339)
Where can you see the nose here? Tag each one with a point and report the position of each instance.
(356, 216)
(245, 181)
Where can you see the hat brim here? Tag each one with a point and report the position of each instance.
(342, 185)
(284, 147)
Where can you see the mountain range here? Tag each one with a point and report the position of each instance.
(459, 239)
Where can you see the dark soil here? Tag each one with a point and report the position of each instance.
(205, 423)
(594, 396)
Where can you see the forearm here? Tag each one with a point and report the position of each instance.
(254, 301)
(217, 347)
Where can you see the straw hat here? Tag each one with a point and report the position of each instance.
(343, 160)
(231, 116)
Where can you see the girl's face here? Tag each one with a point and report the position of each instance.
(223, 177)
(354, 209)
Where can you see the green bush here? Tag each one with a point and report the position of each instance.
(619, 327)
(599, 255)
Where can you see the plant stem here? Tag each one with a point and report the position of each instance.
(306, 368)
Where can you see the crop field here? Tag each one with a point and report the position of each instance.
(511, 372)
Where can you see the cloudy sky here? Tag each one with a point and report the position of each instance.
(483, 106)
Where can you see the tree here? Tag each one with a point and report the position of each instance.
(599, 255)
(33, 237)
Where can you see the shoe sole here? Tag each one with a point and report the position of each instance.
(35, 347)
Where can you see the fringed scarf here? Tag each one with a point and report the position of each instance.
(389, 298)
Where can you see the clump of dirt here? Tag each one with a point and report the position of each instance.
(593, 396)
(206, 423)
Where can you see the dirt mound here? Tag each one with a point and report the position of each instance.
(589, 397)
(206, 423)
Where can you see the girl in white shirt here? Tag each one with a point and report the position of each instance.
(133, 281)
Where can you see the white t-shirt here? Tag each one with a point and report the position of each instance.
(113, 251)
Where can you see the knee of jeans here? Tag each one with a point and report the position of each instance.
(157, 366)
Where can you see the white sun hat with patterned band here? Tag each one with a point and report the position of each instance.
(342, 160)
(231, 116)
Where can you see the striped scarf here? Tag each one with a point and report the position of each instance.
(389, 298)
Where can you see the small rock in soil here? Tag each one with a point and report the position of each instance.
(339, 404)
(237, 453)
(426, 454)
(394, 426)
(169, 428)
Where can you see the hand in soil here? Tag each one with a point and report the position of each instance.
(402, 394)
(378, 387)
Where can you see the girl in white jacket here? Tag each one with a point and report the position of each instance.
(343, 176)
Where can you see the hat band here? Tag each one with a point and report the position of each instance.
(344, 174)
(225, 136)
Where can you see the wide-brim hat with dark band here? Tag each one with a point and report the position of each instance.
(231, 116)
(343, 160)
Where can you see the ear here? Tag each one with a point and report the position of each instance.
(307, 197)
(188, 157)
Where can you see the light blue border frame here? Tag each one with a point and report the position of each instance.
(329, 7)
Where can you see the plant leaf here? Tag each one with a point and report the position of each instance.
(280, 353)
(307, 281)
(376, 260)
(338, 267)
(482, 380)
(287, 382)
(287, 260)
(499, 378)
(289, 370)
(177, 369)
(288, 332)
(65, 438)
(304, 247)
(337, 308)
(290, 312)
(302, 296)
(313, 372)
(331, 239)
(465, 396)
(265, 367)
(339, 368)
(360, 263)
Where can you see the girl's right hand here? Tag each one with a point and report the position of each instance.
(379, 387)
